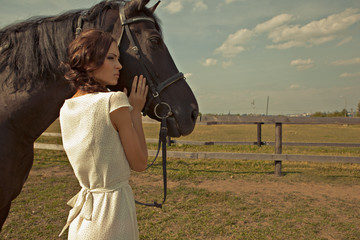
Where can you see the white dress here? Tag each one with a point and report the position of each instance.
(104, 209)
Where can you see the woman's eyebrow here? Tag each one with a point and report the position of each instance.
(114, 54)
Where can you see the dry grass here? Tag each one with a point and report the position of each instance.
(215, 199)
(207, 199)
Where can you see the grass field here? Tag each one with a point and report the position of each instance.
(291, 133)
(215, 199)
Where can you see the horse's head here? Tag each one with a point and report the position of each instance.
(153, 60)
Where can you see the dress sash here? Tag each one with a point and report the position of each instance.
(82, 203)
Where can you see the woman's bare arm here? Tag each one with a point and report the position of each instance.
(129, 126)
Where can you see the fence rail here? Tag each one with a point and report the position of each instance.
(212, 120)
(243, 156)
(206, 143)
(278, 157)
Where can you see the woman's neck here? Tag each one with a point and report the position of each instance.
(79, 93)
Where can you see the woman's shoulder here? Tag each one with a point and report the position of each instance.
(118, 94)
(119, 99)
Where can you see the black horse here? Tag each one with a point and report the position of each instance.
(33, 88)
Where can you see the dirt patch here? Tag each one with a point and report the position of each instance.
(274, 188)
(54, 171)
(267, 188)
(236, 186)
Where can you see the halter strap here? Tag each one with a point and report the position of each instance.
(155, 85)
(150, 77)
(80, 23)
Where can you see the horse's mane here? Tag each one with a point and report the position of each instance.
(31, 51)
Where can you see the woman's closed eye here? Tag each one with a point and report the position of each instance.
(113, 57)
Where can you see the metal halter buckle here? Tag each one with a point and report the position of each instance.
(168, 114)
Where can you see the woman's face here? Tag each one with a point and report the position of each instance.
(109, 72)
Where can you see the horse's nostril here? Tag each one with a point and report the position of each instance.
(194, 115)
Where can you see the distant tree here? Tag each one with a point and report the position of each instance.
(358, 109)
(319, 114)
(344, 113)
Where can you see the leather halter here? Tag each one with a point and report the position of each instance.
(155, 93)
(155, 85)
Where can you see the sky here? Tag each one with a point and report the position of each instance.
(304, 56)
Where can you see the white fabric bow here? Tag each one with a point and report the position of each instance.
(82, 203)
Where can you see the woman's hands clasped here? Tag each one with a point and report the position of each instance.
(139, 91)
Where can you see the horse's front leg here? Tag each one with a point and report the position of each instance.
(4, 212)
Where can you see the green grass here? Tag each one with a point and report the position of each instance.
(214, 199)
(247, 132)
(195, 212)
(291, 133)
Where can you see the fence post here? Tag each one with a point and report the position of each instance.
(259, 142)
(278, 147)
(169, 141)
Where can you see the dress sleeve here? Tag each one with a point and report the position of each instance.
(118, 100)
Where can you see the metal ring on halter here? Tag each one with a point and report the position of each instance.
(168, 113)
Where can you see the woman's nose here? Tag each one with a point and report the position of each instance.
(118, 65)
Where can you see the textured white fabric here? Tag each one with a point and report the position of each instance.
(104, 209)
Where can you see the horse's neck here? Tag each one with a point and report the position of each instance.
(31, 112)
(32, 108)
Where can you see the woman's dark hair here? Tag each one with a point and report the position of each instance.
(87, 53)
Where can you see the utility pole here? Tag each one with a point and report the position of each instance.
(345, 107)
(267, 106)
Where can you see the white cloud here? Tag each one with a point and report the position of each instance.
(302, 64)
(294, 86)
(209, 62)
(344, 41)
(229, 1)
(233, 44)
(200, 6)
(273, 23)
(227, 64)
(321, 40)
(284, 36)
(287, 45)
(350, 75)
(346, 62)
(188, 75)
(316, 32)
(174, 7)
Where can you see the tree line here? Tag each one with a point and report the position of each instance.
(343, 113)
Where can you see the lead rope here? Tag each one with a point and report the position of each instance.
(162, 142)
(163, 129)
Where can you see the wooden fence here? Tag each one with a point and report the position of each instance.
(277, 157)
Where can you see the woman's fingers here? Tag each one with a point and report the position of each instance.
(143, 86)
(146, 91)
(135, 82)
(139, 85)
(139, 91)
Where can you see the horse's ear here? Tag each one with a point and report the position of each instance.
(153, 8)
(142, 4)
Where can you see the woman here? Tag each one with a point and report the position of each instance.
(103, 139)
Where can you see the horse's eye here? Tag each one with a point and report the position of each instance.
(155, 41)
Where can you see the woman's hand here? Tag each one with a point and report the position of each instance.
(129, 125)
(139, 91)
